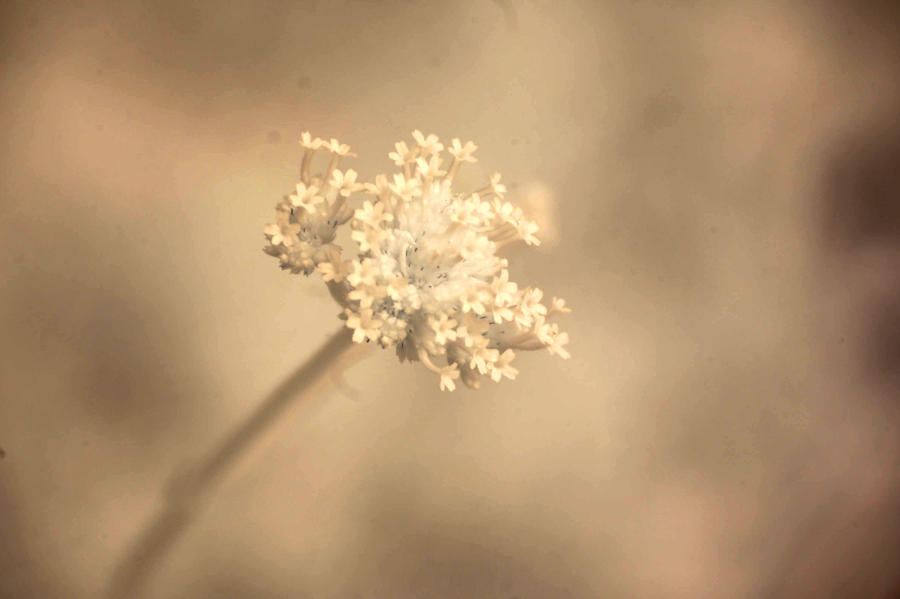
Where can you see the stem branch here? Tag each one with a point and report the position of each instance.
(190, 486)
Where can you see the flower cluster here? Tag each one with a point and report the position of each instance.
(426, 278)
(306, 221)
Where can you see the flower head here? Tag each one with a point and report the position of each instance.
(426, 277)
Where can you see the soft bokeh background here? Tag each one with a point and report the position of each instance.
(725, 181)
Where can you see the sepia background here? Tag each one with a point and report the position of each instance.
(720, 186)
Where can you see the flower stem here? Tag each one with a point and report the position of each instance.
(185, 495)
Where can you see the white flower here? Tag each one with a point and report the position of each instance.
(474, 299)
(501, 366)
(483, 357)
(365, 326)
(373, 215)
(448, 375)
(526, 230)
(335, 269)
(430, 168)
(463, 153)
(310, 143)
(338, 148)
(426, 278)
(405, 189)
(474, 246)
(368, 238)
(428, 270)
(497, 188)
(282, 232)
(306, 197)
(549, 334)
(345, 182)
(444, 329)
(530, 307)
(556, 348)
(379, 187)
(402, 155)
(429, 145)
(304, 235)
(363, 273)
(472, 211)
(558, 306)
(503, 289)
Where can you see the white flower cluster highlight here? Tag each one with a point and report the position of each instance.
(425, 278)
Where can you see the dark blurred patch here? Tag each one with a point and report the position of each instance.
(886, 339)
(863, 203)
(842, 549)
(867, 18)
(118, 375)
(87, 306)
(273, 136)
(861, 211)
(12, 16)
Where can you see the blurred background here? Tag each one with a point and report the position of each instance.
(724, 182)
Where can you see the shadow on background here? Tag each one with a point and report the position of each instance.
(96, 383)
(860, 235)
(82, 302)
(862, 218)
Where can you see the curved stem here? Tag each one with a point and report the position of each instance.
(189, 487)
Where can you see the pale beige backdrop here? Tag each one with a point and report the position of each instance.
(724, 177)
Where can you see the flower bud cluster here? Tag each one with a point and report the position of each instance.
(426, 278)
(307, 220)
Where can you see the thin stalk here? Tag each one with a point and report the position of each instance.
(184, 497)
